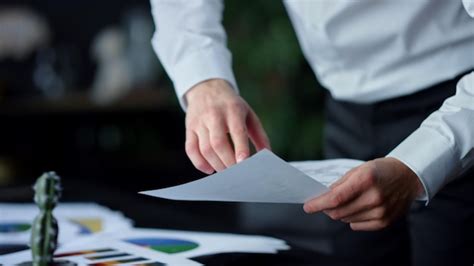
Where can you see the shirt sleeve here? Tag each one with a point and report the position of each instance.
(190, 42)
(443, 146)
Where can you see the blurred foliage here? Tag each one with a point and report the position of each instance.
(274, 77)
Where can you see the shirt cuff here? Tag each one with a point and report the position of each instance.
(430, 156)
(200, 66)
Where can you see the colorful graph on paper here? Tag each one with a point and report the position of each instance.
(88, 225)
(84, 252)
(133, 261)
(166, 245)
(110, 255)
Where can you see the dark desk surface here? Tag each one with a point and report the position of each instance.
(156, 213)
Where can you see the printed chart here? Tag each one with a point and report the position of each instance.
(166, 245)
(107, 256)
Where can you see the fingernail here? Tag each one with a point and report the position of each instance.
(240, 157)
(209, 171)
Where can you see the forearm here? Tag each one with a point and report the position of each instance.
(190, 42)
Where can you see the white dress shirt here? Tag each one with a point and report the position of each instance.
(362, 51)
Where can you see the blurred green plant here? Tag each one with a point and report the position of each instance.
(274, 77)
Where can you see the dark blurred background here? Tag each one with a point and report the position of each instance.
(82, 92)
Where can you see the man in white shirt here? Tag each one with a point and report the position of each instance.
(378, 59)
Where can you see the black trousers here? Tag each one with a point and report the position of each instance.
(441, 233)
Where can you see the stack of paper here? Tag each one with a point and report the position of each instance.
(264, 177)
(74, 220)
(145, 246)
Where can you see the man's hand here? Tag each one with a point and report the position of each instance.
(218, 125)
(370, 196)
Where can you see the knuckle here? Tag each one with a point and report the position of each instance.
(236, 106)
(380, 213)
(336, 200)
(370, 178)
(211, 114)
(218, 143)
(190, 148)
(376, 199)
(207, 150)
(192, 123)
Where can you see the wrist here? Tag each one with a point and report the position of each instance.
(210, 87)
(409, 175)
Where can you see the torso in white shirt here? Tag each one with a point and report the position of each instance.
(366, 51)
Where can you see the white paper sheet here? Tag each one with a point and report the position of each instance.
(264, 177)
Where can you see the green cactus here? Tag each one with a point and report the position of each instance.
(44, 231)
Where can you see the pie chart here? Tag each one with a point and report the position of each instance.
(166, 245)
(14, 227)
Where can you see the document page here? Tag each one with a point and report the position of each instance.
(264, 177)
